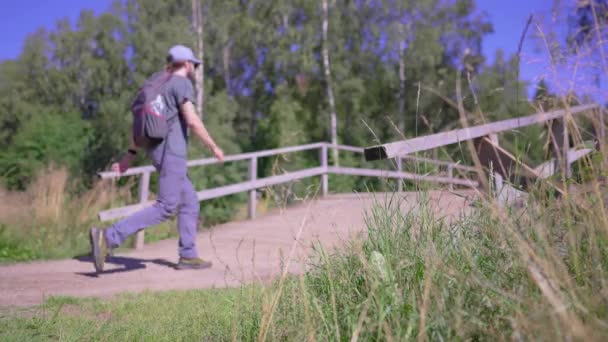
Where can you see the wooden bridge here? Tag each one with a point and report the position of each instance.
(493, 161)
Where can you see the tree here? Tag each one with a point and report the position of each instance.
(330, 93)
(197, 26)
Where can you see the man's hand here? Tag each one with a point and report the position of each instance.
(218, 153)
(123, 164)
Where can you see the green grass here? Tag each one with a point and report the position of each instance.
(197, 315)
(413, 275)
(500, 272)
(15, 247)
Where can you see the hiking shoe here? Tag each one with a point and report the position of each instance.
(99, 248)
(192, 264)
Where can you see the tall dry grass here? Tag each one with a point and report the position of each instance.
(537, 271)
(49, 219)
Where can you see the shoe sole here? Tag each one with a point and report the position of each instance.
(97, 259)
(193, 267)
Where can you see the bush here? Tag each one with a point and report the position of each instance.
(45, 138)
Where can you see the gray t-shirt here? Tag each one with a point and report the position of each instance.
(176, 91)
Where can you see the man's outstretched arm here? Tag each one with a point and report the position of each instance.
(198, 128)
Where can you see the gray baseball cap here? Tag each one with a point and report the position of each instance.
(180, 53)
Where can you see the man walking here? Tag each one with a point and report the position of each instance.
(176, 194)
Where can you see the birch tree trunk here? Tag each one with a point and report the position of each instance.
(401, 80)
(330, 93)
(404, 32)
(226, 61)
(197, 26)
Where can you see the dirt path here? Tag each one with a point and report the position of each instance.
(241, 252)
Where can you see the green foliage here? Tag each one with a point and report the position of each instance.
(12, 250)
(262, 56)
(45, 138)
(264, 85)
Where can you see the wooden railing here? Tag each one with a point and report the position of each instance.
(494, 156)
(400, 151)
(395, 149)
(254, 183)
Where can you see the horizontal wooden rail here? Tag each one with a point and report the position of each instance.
(211, 161)
(267, 153)
(254, 183)
(112, 214)
(400, 148)
(400, 175)
(409, 157)
(549, 168)
(438, 162)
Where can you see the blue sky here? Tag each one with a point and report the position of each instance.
(18, 18)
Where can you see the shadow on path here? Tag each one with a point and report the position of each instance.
(129, 264)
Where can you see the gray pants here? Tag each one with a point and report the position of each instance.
(176, 196)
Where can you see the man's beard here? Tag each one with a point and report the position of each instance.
(192, 76)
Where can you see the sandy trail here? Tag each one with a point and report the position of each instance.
(242, 252)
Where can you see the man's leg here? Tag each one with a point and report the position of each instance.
(186, 223)
(187, 219)
(171, 185)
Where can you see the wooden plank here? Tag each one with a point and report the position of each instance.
(399, 169)
(574, 155)
(260, 183)
(428, 142)
(112, 214)
(492, 158)
(502, 151)
(400, 175)
(253, 175)
(524, 166)
(451, 176)
(259, 154)
(324, 176)
(212, 161)
(130, 172)
(547, 169)
(499, 183)
(410, 157)
(116, 213)
(439, 162)
(347, 148)
(560, 141)
(237, 157)
(602, 111)
(508, 195)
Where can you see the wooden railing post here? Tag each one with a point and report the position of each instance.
(498, 183)
(599, 129)
(144, 187)
(451, 176)
(400, 169)
(324, 176)
(566, 147)
(602, 127)
(496, 176)
(253, 175)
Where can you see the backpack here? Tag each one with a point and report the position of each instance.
(150, 124)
